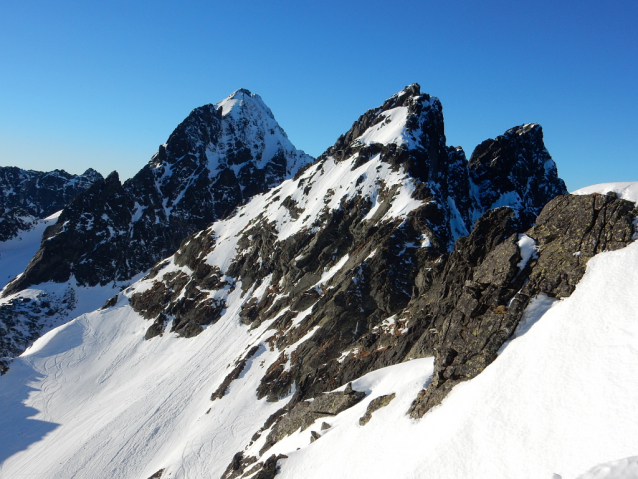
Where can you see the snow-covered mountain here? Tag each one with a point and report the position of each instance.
(217, 158)
(391, 310)
(27, 196)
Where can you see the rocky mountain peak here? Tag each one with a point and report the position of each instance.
(407, 129)
(515, 169)
(218, 157)
(244, 103)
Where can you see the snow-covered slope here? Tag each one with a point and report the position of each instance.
(625, 190)
(93, 399)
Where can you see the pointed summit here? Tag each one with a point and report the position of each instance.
(218, 157)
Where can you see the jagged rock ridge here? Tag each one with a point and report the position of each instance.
(334, 279)
(27, 195)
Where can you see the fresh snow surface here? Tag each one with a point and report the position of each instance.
(67, 300)
(16, 253)
(623, 469)
(113, 405)
(246, 116)
(391, 130)
(626, 191)
(527, 247)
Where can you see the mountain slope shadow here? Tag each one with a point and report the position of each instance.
(19, 429)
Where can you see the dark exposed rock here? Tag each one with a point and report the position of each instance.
(475, 306)
(375, 405)
(157, 328)
(517, 164)
(264, 470)
(111, 302)
(234, 374)
(269, 468)
(27, 195)
(237, 466)
(157, 475)
(314, 435)
(184, 298)
(305, 413)
(325, 425)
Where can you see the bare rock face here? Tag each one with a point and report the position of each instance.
(304, 413)
(516, 170)
(375, 405)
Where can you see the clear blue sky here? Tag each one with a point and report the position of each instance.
(102, 83)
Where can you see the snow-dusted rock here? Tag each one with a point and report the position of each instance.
(27, 196)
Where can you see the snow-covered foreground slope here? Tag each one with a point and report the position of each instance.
(93, 399)
(16, 253)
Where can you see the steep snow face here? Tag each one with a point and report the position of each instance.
(391, 129)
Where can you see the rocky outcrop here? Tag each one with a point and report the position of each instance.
(477, 302)
(303, 414)
(27, 195)
(375, 405)
(515, 170)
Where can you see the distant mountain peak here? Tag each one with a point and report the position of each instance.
(218, 157)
